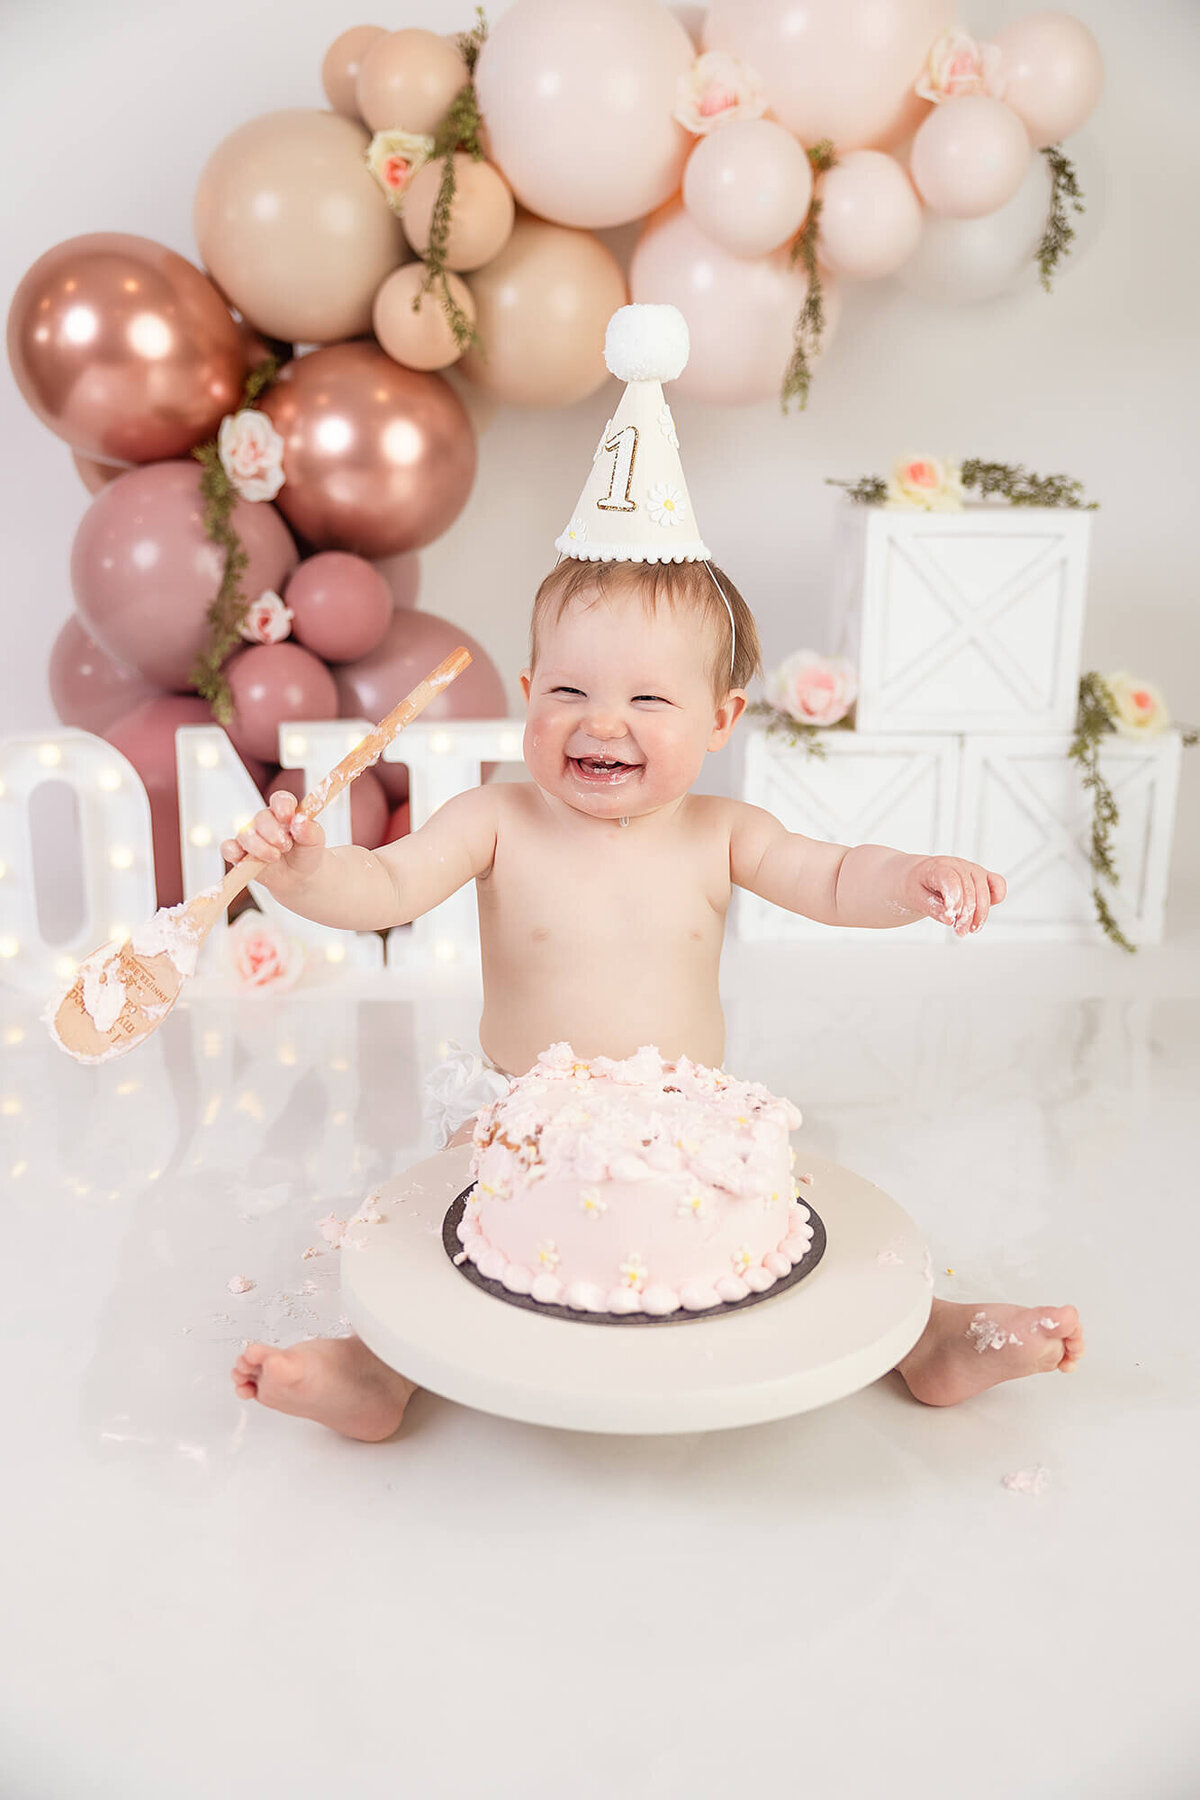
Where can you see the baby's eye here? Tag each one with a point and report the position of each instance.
(567, 690)
(660, 697)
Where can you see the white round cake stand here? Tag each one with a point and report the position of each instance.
(840, 1328)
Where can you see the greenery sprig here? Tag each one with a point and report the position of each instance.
(1059, 234)
(458, 133)
(810, 325)
(1012, 482)
(1095, 719)
(228, 610)
(796, 733)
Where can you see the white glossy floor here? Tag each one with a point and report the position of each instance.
(207, 1601)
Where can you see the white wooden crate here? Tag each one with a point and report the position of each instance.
(1023, 811)
(968, 621)
(866, 790)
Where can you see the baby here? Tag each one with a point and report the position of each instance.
(603, 886)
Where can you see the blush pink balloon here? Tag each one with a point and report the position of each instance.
(748, 186)
(145, 574)
(89, 688)
(840, 69)
(740, 314)
(403, 576)
(870, 219)
(340, 605)
(970, 156)
(147, 737)
(1053, 72)
(578, 101)
(274, 685)
(415, 642)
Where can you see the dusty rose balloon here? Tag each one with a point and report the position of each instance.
(341, 65)
(1053, 72)
(378, 458)
(294, 227)
(147, 737)
(841, 69)
(399, 824)
(407, 79)
(543, 306)
(870, 218)
(340, 606)
(96, 475)
(970, 156)
(748, 186)
(145, 574)
(415, 642)
(481, 213)
(422, 339)
(578, 100)
(403, 576)
(123, 348)
(741, 314)
(273, 685)
(89, 688)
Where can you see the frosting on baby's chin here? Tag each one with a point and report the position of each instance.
(634, 1185)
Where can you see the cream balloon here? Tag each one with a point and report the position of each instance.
(543, 306)
(748, 186)
(339, 70)
(420, 338)
(870, 219)
(407, 79)
(1053, 73)
(481, 212)
(740, 312)
(578, 101)
(963, 260)
(295, 231)
(969, 157)
(839, 69)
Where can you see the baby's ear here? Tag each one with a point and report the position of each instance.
(726, 717)
(526, 681)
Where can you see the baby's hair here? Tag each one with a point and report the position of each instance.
(686, 584)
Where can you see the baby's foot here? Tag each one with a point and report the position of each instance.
(336, 1381)
(966, 1348)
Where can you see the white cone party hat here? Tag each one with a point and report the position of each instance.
(635, 506)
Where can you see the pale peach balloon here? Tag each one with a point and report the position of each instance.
(748, 186)
(870, 219)
(294, 227)
(578, 100)
(1053, 73)
(421, 339)
(339, 70)
(481, 213)
(741, 312)
(543, 305)
(407, 79)
(970, 156)
(841, 69)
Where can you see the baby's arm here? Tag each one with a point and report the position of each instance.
(869, 885)
(369, 890)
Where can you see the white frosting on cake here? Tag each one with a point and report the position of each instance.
(634, 1186)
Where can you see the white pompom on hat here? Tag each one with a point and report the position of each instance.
(635, 505)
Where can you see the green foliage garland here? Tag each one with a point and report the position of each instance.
(228, 609)
(1059, 233)
(810, 326)
(1095, 719)
(1011, 481)
(796, 733)
(458, 132)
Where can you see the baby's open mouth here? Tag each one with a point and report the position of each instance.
(603, 771)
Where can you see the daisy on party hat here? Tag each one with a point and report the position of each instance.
(635, 505)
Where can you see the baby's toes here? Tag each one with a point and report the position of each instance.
(1059, 1323)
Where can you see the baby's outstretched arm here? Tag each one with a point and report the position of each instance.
(369, 890)
(869, 885)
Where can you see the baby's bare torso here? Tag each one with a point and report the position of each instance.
(603, 935)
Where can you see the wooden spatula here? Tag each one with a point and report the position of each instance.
(121, 994)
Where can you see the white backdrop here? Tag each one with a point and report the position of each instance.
(108, 115)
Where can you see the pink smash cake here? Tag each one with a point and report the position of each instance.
(634, 1186)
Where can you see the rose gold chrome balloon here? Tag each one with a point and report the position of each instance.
(124, 349)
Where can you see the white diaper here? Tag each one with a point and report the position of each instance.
(455, 1090)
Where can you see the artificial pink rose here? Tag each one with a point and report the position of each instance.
(394, 157)
(261, 955)
(812, 689)
(958, 65)
(1140, 709)
(251, 452)
(925, 484)
(717, 87)
(267, 620)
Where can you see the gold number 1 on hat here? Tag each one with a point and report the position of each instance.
(624, 443)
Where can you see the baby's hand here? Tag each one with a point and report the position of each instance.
(955, 892)
(275, 834)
